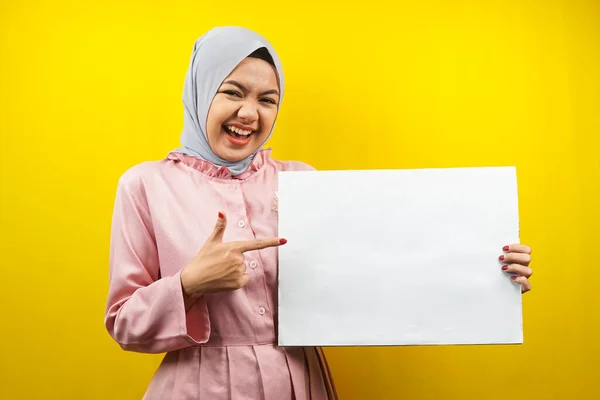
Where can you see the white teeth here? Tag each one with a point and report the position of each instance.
(239, 131)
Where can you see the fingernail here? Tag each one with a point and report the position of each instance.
(501, 258)
(282, 241)
(504, 268)
(514, 278)
(505, 248)
(221, 215)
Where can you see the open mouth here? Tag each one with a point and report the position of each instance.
(236, 135)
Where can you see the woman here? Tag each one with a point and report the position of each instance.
(194, 240)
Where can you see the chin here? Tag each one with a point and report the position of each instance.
(235, 155)
(234, 158)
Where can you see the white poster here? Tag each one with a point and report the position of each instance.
(397, 257)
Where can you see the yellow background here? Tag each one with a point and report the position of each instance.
(88, 90)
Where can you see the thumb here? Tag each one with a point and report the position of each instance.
(217, 235)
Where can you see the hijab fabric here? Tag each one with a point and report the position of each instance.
(214, 57)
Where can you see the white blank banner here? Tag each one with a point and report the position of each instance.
(397, 257)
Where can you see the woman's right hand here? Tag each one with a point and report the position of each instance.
(220, 266)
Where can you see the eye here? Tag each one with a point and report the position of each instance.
(268, 100)
(232, 93)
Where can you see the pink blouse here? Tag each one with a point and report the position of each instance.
(224, 346)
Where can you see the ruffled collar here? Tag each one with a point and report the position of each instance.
(207, 168)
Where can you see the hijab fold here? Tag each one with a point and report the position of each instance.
(215, 55)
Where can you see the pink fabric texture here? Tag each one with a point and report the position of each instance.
(224, 347)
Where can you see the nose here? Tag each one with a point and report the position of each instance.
(248, 112)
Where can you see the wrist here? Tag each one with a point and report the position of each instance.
(191, 289)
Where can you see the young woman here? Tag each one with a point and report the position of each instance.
(194, 240)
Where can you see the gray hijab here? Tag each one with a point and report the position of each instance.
(215, 55)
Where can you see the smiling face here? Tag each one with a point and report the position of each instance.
(243, 111)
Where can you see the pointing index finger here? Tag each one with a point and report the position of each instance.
(258, 244)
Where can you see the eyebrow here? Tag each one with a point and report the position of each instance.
(242, 87)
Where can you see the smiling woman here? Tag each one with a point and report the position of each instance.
(184, 282)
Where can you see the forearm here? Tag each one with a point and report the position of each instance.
(156, 319)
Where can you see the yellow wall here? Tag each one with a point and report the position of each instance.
(86, 91)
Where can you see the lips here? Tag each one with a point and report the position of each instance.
(236, 135)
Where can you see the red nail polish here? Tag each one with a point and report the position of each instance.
(504, 268)
(505, 248)
(501, 258)
(282, 241)
(221, 215)
(513, 278)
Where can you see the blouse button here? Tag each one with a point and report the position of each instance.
(261, 310)
(253, 264)
(241, 224)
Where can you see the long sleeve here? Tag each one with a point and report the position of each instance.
(145, 312)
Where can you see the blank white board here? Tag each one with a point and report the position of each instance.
(397, 257)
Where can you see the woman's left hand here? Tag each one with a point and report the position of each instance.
(516, 259)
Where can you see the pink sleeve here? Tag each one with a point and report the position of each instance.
(296, 166)
(145, 313)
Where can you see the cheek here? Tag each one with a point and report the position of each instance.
(212, 127)
(215, 118)
(268, 119)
